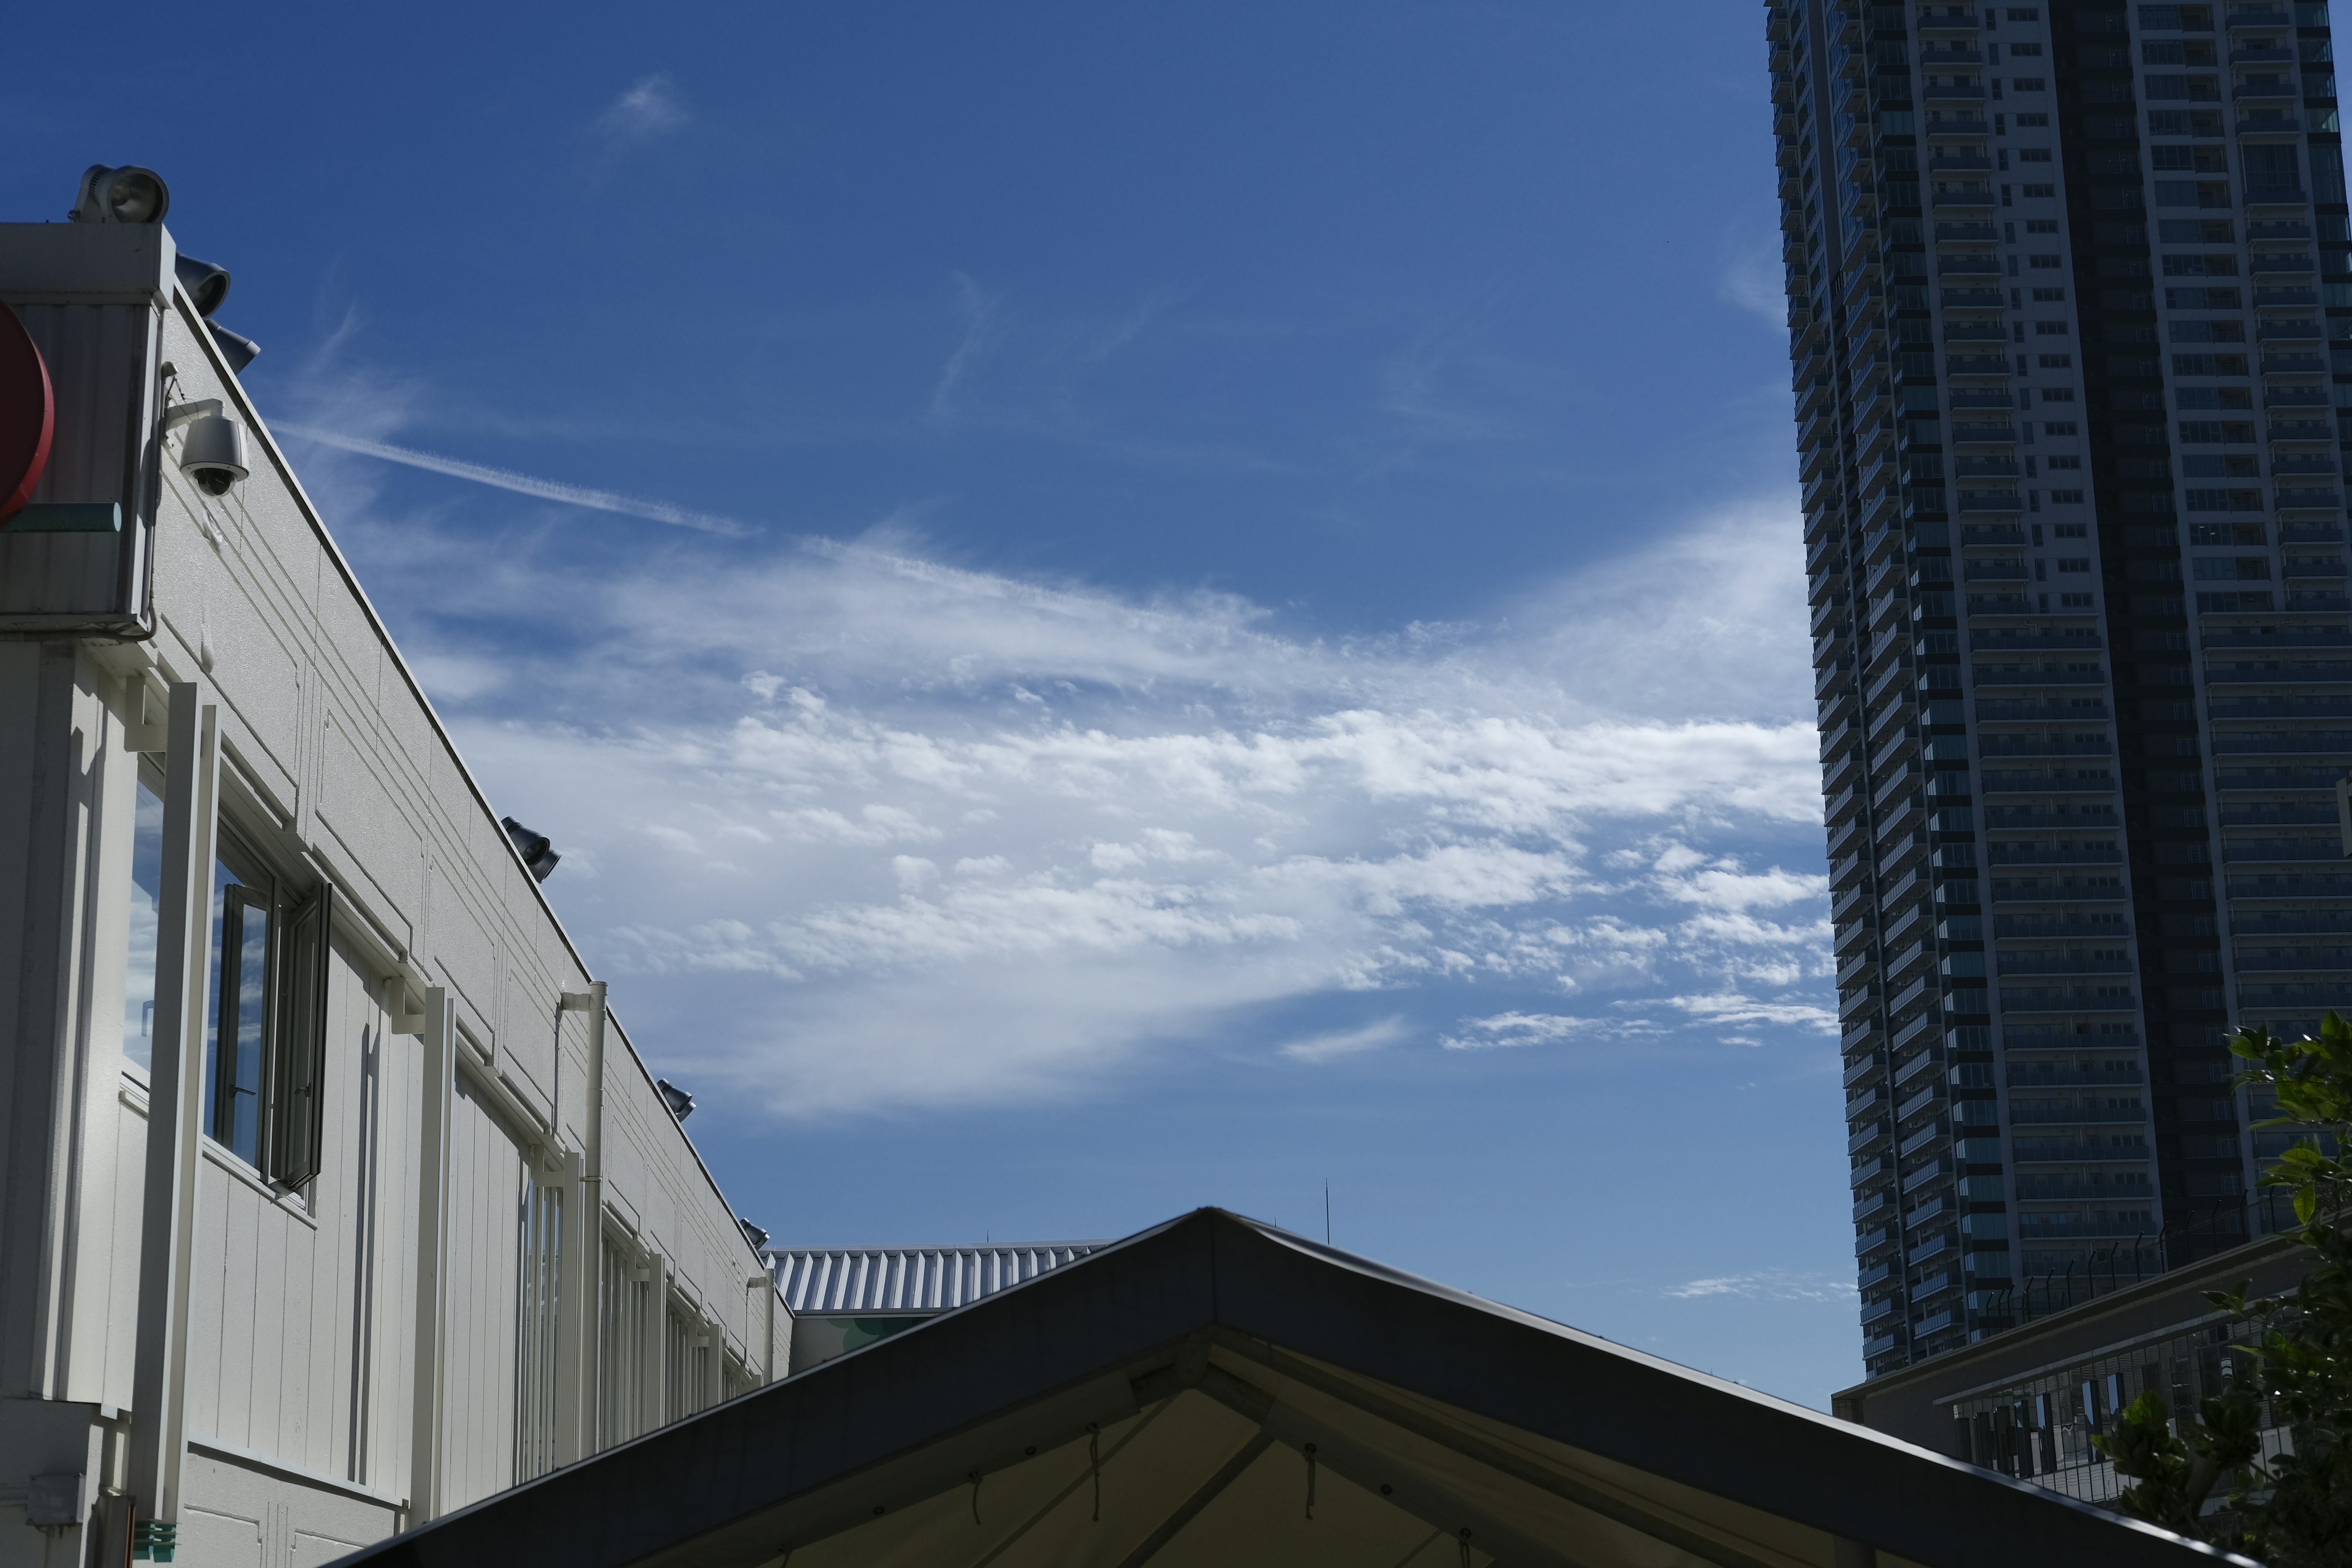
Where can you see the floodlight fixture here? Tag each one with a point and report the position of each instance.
(537, 851)
(126, 193)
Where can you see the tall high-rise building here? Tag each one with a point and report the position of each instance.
(2069, 304)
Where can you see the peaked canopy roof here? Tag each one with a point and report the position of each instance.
(1217, 1391)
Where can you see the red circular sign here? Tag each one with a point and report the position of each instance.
(28, 415)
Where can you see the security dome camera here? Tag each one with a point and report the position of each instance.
(213, 453)
(124, 194)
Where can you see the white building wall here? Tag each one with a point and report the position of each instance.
(301, 1383)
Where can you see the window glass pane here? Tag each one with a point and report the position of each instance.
(223, 879)
(239, 1008)
(139, 964)
(242, 1126)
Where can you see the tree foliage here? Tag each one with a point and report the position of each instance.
(2294, 1510)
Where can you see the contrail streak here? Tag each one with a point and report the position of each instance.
(525, 484)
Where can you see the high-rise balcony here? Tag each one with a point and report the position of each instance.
(2270, 125)
(2311, 533)
(2282, 813)
(2302, 430)
(2067, 964)
(2318, 960)
(1840, 736)
(2248, 18)
(1934, 55)
(1949, 160)
(2012, 710)
(2299, 464)
(2079, 854)
(1947, 19)
(1992, 536)
(2295, 397)
(2266, 90)
(2048, 1189)
(2238, 851)
(2055, 1112)
(2294, 364)
(1982, 467)
(1964, 233)
(1975, 332)
(2045, 746)
(1948, 124)
(1827, 554)
(2032, 1228)
(1974, 502)
(2301, 706)
(2291, 996)
(1995, 570)
(2276, 264)
(1953, 92)
(2261, 54)
(2292, 330)
(1945, 198)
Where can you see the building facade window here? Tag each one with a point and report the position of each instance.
(265, 1029)
(139, 954)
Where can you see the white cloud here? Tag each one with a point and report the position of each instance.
(1346, 1042)
(1730, 1007)
(648, 107)
(1507, 1029)
(1752, 280)
(1768, 1285)
(871, 830)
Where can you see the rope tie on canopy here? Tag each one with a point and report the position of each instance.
(1311, 1480)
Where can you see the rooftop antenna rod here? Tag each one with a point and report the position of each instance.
(1326, 1211)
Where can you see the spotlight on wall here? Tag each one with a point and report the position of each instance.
(752, 1233)
(537, 850)
(205, 281)
(680, 1103)
(125, 194)
(235, 347)
(212, 451)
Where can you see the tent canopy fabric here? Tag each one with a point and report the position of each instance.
(1215, 1391)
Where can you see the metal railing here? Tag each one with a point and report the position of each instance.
(2217, 1224)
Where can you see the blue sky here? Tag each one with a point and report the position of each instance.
(1176, 602)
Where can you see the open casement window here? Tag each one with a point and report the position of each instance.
(298, 1057)
(265, 1039)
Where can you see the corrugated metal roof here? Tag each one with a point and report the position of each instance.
(910, 1278)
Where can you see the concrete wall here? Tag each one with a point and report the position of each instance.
(301, 1313)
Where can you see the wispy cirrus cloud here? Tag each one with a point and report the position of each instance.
(1338, 1043)
(1751, 280)
(520, 484)
(650, 106)
(1766, 1285)
(866, 828)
